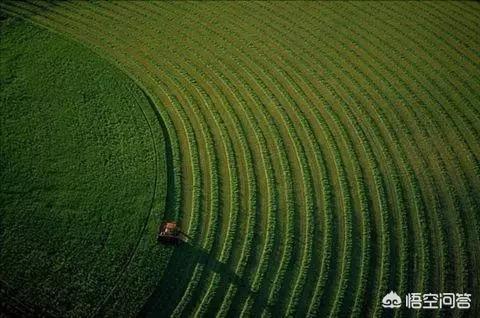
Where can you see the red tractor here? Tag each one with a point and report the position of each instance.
(170, 233)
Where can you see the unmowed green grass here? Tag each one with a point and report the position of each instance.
(83, 183)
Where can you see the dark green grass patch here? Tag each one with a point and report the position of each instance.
(83, 181)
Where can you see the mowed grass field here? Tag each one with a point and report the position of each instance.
(319, 155)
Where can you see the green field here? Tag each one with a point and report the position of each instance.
(319, 155)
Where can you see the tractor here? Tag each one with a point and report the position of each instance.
(170, 233)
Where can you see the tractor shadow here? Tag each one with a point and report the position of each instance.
(178, 274)
(213, 265)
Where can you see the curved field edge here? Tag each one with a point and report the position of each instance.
(91, 178)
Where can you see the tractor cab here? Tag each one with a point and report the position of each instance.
(170, 233)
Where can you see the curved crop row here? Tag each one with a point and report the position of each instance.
(305, 172)
(378, 182)
(357, 170)
(367, 77)
(466, 122)
(446, 92)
